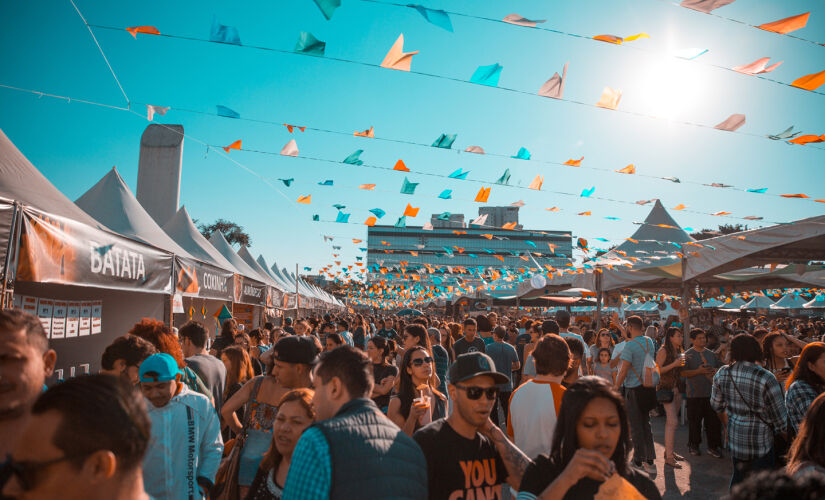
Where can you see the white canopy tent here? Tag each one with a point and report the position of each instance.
(789, 301)
(817, 302)
(181, 229)
(758, 302)
(223, 247)
(111, 202)
(21, 181)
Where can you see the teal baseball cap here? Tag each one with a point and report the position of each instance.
(163, 368)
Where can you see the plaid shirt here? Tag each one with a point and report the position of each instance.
(748, 436)
(798, 399)
(310, 471)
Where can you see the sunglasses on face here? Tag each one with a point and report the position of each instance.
(27, 471)
(421, 361)
(476, 392)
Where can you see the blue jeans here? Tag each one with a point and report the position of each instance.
(744, 468)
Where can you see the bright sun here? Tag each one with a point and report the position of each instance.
(671, 88)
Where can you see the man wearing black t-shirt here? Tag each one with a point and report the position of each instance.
(469, 342)
(467, 455)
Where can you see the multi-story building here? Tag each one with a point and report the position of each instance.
(480, 248)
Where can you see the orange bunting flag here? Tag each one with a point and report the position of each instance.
(305, 199)
(552, 246)
(630, 169)
(399, 165)
(585, 213)
(459, 232)
(368, 187)
(536, 184)
(820, 201)
(800, 195)
(482, 195)
(680, 207)
(488, 236)
(785, 26)
(810, 82)
(413, 253)
(574, 163)
(146, 30)
(411, 211)
(609, 39)
(355, 241)
(552, 209)
(234, 145)
(632, 240)
(366, 133)
(807, 139)
(499, 257)
(610, 98)
(509, 225)
(396, 58)
(291, 128)
(720, 213)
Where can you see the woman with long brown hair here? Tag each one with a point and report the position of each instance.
(238, 372)
(670, 360)
(295, 414)
(418, 401)
(805, 383)
(807, 451)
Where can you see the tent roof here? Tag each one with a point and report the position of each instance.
(221, 245)
(21, 181)
(244, 254)
(818, 301)
(789, 301)
(798, 241)
(758, 302)
(282, 284)
(181, 229)
(111, 202)
(653, 239)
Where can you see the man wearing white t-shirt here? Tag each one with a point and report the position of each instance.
(534, 406)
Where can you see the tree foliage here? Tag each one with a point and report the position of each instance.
(723, 229)
(231, 231)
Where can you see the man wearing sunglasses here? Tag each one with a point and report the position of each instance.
(85, 440)
(467, 455)
(25, 363)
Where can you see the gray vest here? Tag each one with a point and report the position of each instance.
(371, 457)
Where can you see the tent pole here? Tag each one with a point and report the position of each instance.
(11, 248)
(685, 301)
(598, 299)
(297, 297)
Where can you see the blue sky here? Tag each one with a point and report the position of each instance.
(45, 46)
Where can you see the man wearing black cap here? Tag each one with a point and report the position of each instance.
(467, 455)
(293, 358)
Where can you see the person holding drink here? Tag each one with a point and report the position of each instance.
(418, 402)
(671, 360)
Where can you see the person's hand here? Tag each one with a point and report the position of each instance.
(487, 428)
(417, 411)
(588, 463)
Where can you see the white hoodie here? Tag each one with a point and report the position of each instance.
(186, 444)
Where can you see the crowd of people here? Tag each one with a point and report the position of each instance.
(359, 406)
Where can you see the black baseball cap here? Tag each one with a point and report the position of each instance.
(296, 349)
(473, 364)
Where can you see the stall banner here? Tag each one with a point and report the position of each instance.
(59, 250)
(6, 219)
(197, 279)
(244, 315)
(248, 291)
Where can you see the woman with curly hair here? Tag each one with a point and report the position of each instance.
(161, 336)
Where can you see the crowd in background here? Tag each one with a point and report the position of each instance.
(380, 406)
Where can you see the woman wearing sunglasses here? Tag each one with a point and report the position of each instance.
(589, 455)
(418, 402)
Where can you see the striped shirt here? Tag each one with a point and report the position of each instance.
(534, 408)
(748, 436)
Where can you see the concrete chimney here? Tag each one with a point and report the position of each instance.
(159, 167)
